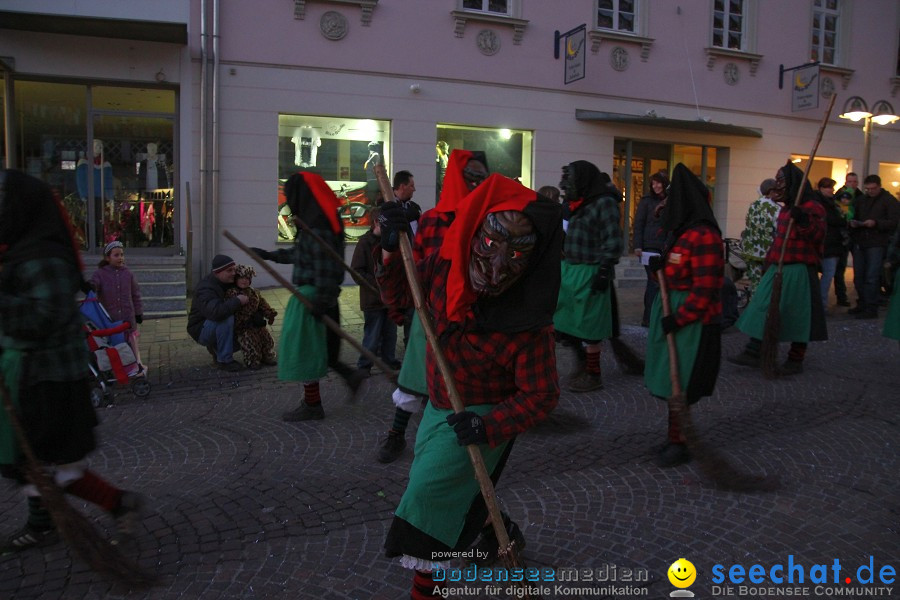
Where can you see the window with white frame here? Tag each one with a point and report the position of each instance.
(729, 24)
(497, 7)
(825, 31)
(618, 15)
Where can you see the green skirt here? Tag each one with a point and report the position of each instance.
(795, 305)
(687, 343)
(581, 312)
(442, 482)
(302, 352)
(892, 322)
(412, 374)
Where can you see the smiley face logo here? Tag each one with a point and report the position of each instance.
(682, 573)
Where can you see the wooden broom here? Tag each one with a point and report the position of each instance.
(78, 532)
(326, 320)
(769, 349)
(714, 466)
(507, 552)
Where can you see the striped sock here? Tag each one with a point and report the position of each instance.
(311, 393)
(797, 352)
(39, 518)
(94, 489)
(424, 586)
(593, 363)
(401, 420)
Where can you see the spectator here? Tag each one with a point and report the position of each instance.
(211, 318)
(118, 291)
(759, 231)
(845, 204)
(836, 234)
(250, 320)
(875, 217)
(379, 331)
(649, 238)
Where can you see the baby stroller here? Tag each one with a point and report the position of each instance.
(112, 358)
(735, 268)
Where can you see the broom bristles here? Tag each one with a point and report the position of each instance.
(769, 350)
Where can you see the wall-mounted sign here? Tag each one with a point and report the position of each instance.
(574, 41)
(805, 88)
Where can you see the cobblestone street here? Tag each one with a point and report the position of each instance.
(243, 505)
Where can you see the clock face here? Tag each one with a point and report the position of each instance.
(618, 58)
(731, 73)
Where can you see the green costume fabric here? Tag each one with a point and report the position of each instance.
(687, 343)
(11, 370)
(442, 481)
(302, 352)
(796, 312)
(412, 373)
(580, 311)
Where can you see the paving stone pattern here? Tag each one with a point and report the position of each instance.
(243, 505)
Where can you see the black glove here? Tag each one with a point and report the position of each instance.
(87, 287)
(601, 280)
(469, 428)
(656, 263)
(263, 254)
(394, 220)
(799, 217)
(138, 319)
(669, 325)
(258, 320)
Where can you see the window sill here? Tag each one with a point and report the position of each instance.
(367, 6)
(844, 72)
(463, 16)
(598, 35)
(713, 53)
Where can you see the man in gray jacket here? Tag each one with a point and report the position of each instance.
(211, 318)
(875, 215)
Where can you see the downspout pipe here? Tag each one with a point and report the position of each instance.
(204, 75)
(214, 225)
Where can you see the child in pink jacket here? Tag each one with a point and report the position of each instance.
(118, 291)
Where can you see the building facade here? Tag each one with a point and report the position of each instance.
(202, 108)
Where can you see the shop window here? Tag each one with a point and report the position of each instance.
(508, 151)
(890, 177)
(823, 166)
(342, 151)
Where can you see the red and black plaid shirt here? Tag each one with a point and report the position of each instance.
(807, 242)
(695, 264)
(514, 371)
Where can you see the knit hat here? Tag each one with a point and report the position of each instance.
(221, 262)
(112, 246)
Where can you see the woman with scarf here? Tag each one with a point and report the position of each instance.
(491, 291)
(306, 348)
(465, 170)
(586, 311)
(692, 264)
(44, 359)
(800, 306)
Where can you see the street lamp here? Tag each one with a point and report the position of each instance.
(856, 109)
